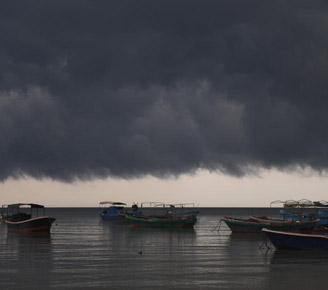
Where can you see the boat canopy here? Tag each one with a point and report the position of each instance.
(321, 203)
(293, 203)
(300, 203)
(170, 205)
(188, 204)
(112, 203)
(18, 205)
(152, 204)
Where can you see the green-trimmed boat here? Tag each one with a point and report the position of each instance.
(169, 221)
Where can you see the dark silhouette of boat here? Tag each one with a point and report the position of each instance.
(255, 225)
(161, 215)
(160, 221)
(18, 220)
(305, 209)
(299, 241)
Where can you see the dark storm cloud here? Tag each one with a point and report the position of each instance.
(129, 88)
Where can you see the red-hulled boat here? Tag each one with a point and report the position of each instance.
(18, 220)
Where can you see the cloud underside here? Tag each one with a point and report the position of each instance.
(91, 89)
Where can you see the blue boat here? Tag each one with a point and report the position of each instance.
(306, 210)
(288, 240)
(113, 210)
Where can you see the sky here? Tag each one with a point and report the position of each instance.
(204, 189)
(177, 101)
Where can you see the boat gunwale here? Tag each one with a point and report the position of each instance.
(157, 218)
(295, 234)
(31, 219)
(240, 220)
(273, 221)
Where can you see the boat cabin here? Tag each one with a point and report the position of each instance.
(113, 210)
(21, 211)
(160, 208)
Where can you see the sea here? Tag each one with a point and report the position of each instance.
(83, 252)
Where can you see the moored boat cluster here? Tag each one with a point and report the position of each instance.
(303, 224)
(297, 229)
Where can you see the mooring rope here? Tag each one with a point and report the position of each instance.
(265, 244)
(218, 226)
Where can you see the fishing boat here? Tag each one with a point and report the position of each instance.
(159, 214)
(299, 241)
(18, 220)
(113, 210)
(275, 221)
(168, 221)
(253, 225)
(296, 209)
(305, 210)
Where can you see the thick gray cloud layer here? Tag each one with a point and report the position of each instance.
(129, 88)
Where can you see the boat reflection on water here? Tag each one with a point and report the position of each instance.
(296, 269)
(3, 228)
(24, 245)
(110, 222)
(162, 233)
(246, 237)
(270, 268)
(121, 234)
(171, 237)
(285, 256)
(248, 245)
(28, 259)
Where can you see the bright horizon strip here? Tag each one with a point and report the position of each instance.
(204, 189)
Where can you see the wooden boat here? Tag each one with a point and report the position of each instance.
(306, 210)
(243, 224)
(251, 225)
(290, 240)
(162, 221)
(20, 221)
(321, 225)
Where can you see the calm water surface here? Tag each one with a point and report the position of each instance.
(83, 252)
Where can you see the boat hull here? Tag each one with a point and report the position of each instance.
(161, 222)
(253, 226)
(113, 217)
(246, 226)
(39, 224)
(287, 240)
